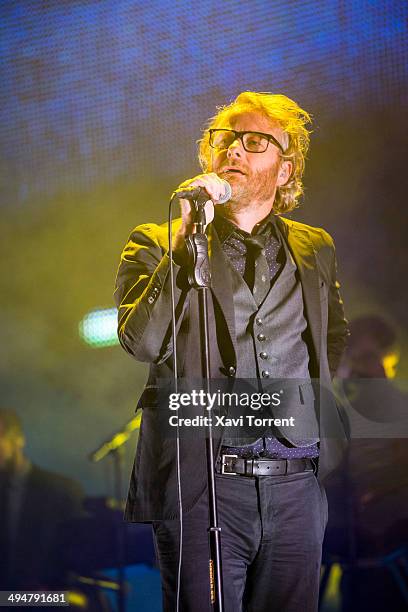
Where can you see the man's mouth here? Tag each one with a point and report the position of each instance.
(232, 171)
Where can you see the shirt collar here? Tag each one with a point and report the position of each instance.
(225, 228)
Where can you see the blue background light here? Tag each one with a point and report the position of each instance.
(97, 90)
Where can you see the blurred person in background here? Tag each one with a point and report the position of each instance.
(33, 505)
(368, 493)
(372, 350)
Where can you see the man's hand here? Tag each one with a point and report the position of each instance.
(215, 188)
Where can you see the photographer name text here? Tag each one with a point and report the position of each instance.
(250, 420)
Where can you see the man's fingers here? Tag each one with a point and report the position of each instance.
(187, 212)
(211, 182)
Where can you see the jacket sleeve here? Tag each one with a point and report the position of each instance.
(143, 295)
(337, 328)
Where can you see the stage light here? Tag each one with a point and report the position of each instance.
(98, 328)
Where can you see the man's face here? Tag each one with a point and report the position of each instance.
(254, 177)
(10, 446)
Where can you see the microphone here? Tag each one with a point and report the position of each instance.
(201, 196)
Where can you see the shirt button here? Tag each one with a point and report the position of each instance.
(265, 374)
(231, 371)
(263, 355)
(258, 321)
(261, 337)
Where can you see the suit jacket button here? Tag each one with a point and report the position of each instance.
(261, 337)
(231, 371)
(265, 374)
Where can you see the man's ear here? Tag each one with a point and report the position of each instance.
(285, 172)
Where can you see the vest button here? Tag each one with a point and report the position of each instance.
(261, 337)
(265, 374)
(231, 371)
(263, 355)
(258, 321)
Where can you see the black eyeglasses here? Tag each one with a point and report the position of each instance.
(253, 142)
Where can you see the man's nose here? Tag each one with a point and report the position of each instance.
(234, 150)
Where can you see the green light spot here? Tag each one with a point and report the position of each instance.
(98, 328)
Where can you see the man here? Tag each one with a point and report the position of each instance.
(274, 313)
(33, 505)
(368, 491)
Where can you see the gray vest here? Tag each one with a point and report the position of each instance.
(270, 347)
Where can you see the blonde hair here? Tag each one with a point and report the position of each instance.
(295, 139)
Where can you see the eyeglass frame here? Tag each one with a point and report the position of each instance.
(240, 135)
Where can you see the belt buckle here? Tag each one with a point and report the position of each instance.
(224, 457)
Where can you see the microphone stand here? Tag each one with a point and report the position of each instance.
(114, 447)
(199, 277)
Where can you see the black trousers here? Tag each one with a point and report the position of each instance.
(271, 542)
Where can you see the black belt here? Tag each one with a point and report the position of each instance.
(234, 465)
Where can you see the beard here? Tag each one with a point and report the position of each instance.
(252, 189)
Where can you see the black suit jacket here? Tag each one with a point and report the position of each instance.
(143, 298)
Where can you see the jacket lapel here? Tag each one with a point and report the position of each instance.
(301, 247)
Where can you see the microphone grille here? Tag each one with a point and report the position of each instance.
(227, 193)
